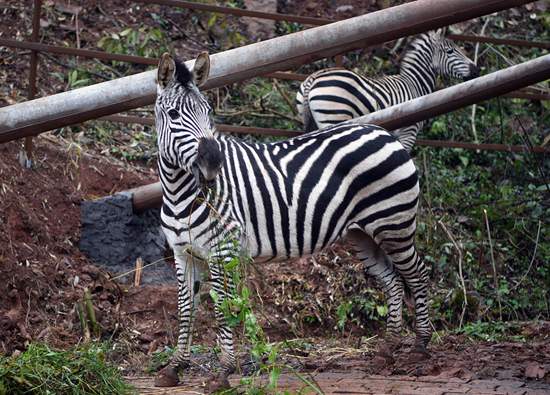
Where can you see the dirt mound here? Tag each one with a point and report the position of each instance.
(42, 269)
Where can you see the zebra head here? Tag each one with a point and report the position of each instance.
(449, 60)
(185, 129)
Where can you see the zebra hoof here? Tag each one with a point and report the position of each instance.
(418, 354)
(167, 377)
(218, 383)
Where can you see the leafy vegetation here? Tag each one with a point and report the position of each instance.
(144, 41)
(43, 370)
(492, 331)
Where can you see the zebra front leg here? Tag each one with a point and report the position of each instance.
(222, 285)
(187, 277)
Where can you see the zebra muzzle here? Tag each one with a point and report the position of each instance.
(204, 176)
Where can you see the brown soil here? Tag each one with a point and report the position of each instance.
(44, 273)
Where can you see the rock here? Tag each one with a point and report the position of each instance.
(260, 29)
(113, 237)
(344, 8)
(534, 370)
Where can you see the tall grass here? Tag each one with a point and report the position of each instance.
(43, 370)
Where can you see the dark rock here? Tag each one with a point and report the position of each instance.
(113, 237)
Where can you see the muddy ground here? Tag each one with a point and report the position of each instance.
(44, 276)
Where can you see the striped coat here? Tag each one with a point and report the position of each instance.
(278, 201)
(331, 96)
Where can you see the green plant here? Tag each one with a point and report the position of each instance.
(159, 359)
(44, 370)
(144, 41)
(491, 331)
(77, 79)
(237, 308)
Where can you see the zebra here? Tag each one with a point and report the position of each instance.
(330, 96)
(280, 200)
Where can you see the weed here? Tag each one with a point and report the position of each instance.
(145, 41)
(43, 370)
(492, 331)
(159, 359)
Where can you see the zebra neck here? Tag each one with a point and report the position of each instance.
(417, 66)
(179, 187)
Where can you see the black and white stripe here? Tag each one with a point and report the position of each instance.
(283, 200)
(331, 96)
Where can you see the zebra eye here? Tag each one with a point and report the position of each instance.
(450, 51)
(174, 114)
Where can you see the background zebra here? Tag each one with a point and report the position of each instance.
(330, 96)
(280, 200)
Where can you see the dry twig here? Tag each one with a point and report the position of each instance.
(495, 277)
(462, 283)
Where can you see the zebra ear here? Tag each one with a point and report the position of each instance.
(439, 34)
(201, 70)
(166, 70)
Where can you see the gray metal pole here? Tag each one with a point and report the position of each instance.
(36, 116)
(460, 95)
(422, 108)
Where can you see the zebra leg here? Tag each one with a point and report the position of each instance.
(187, 276)
(222, 285)
(378, 265)
(411, 267)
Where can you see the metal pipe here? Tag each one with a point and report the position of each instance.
(535, 95)
(425, 107)
(461, 95)
(86, 53)
(500, 41)
(281, 53)
(150, 121)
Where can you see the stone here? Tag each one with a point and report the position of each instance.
(114, 237)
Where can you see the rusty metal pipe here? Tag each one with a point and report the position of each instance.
(240, 12)
(293, 133)
(27, 159)
(86, 53)
(500, 41)
(281, 53)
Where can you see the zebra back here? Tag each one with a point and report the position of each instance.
(331, 96)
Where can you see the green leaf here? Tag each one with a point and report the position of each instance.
(382, 310)
(214, 295)
(125, 32)
(274, 377)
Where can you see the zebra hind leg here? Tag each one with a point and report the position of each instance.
(187, 275)
(378, 265)
(411, 267)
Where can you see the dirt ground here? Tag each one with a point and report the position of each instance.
(44, 275)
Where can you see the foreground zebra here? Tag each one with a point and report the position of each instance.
(281, 200)
(331, 96)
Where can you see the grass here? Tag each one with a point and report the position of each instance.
(44, 370)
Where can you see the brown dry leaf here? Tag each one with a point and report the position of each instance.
(534, 370)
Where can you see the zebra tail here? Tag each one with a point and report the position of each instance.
(305, 88)
(309, 123)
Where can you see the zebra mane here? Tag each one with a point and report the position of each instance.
(183, 75)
